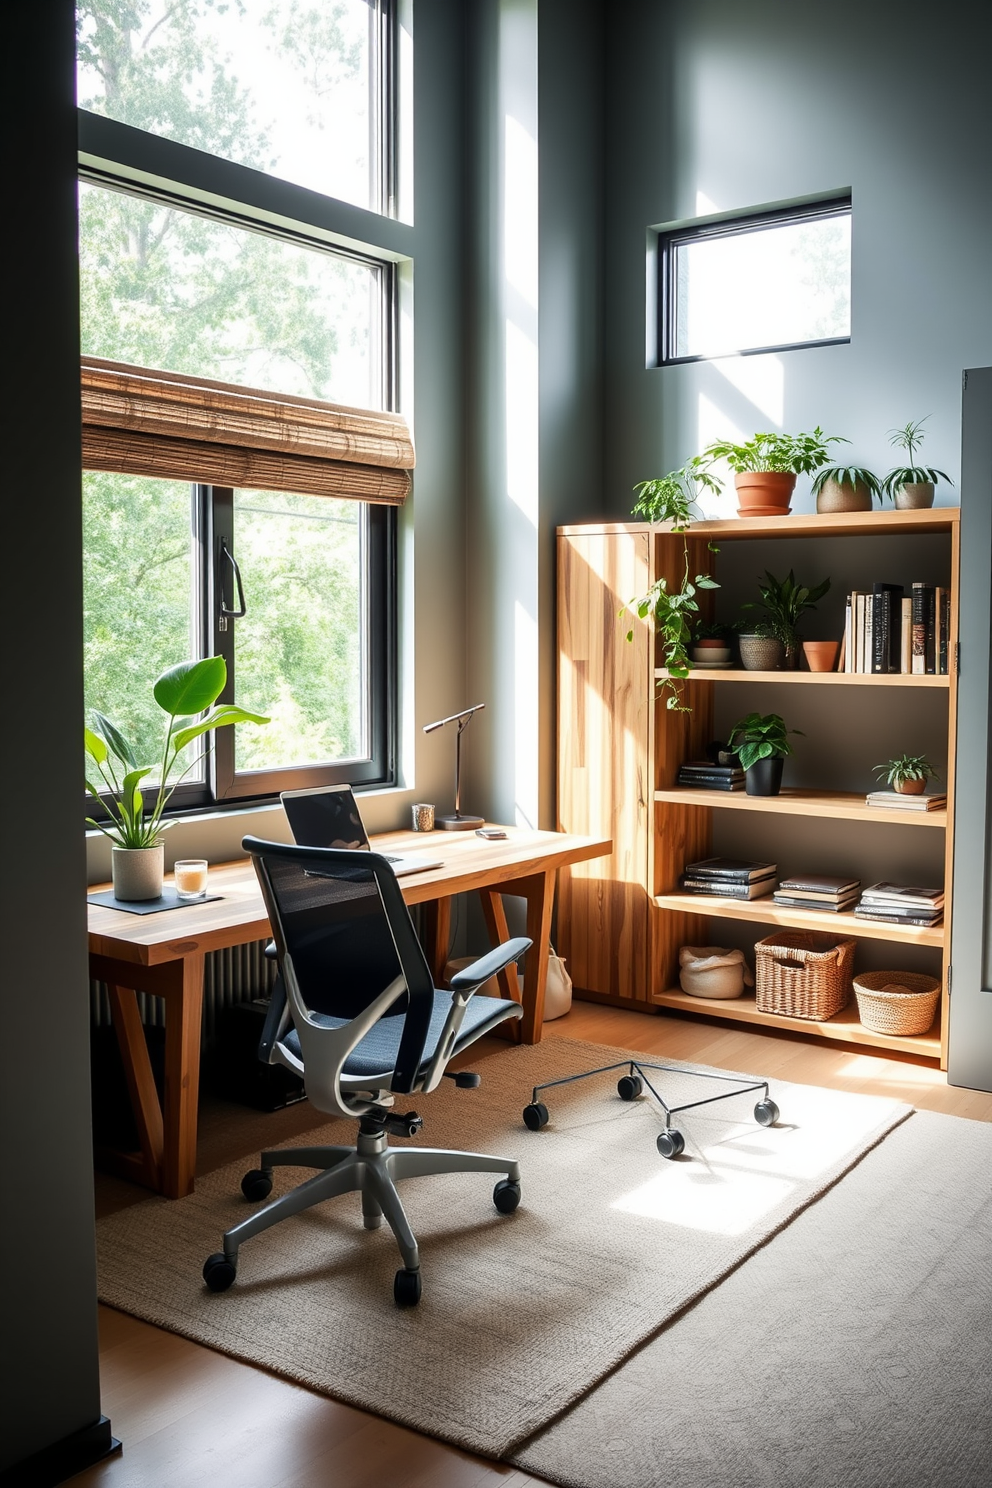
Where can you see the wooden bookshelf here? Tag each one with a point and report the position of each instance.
(623, 919)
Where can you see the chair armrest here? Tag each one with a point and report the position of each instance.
(470, 978)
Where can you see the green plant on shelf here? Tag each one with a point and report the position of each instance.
(670, 498)
(906, 767)
(761, 736)
(784, 602)
(909, 438)
(847, 475)
(785, 454)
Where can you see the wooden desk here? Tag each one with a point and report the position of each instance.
(164, 954)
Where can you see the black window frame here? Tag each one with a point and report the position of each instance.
(669, 242)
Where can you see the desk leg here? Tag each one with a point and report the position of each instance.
(538, 889)
(183, 1018)
(140, 1082)
(508, 980)
(437, 935)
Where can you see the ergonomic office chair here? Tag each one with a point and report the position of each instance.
(356, 1013)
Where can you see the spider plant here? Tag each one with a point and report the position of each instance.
(910, 438)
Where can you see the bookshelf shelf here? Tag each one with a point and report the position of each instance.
(620, 749)
(764, 912)
(844, 1027)
(840, 805)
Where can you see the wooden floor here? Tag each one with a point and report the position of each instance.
(188, 1416)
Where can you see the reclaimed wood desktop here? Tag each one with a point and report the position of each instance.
(164, 954)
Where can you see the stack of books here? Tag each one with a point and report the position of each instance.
(818, 891)
(702, 775)
(730, 878)
(890, 631)
(899, 802)
(899, 904)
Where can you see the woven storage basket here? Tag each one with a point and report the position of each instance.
(803, 973)
(896, 1001)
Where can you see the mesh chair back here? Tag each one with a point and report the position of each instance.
(341, 918)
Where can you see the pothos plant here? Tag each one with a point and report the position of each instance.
(669, 498)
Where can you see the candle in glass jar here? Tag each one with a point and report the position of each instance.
(191, 878)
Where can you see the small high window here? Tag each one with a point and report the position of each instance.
(768, 282)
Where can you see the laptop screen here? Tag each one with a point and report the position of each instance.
(326, 817)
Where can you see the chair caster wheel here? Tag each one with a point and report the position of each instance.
(219, 1272)
(671, 1142)
(766, 1113)
(256, 1185)
(506, 1195)
(406, 1288)
(536, 1115)
(629, 1087)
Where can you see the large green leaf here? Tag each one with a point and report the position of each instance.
(95, 746)
(219, 718)
(191, 686)
(118, 744)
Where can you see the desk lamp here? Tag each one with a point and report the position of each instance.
(457, 822)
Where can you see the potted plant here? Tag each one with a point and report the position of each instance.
(761, 741)
(784, 601)
(766, 467)
(669, 498)
(186, 694)
(711, 645)
(908, 773)
(761, 646)
(911, 486)
(845, 488)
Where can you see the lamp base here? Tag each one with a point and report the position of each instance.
(458, 823)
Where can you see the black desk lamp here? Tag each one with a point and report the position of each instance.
(458, 822)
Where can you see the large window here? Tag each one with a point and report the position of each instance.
(172, 282)
(769, 282)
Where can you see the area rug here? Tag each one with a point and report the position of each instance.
(521, 1315)
(853, 1351)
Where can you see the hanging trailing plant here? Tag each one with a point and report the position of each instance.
(669, 498)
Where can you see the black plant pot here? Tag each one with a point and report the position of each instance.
(764, 778)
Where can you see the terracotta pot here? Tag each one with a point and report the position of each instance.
(910, 787)
(761, 653)
(914, 497)
(138, 872)
(821, 655)
(842, 497)
(764, 493)
(764, 777)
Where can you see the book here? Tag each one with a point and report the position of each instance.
(897, 801)
(742, 869)
(844, 658)
(886, 598)
(944, 654)
(891, 917)
(859, 631)
(906, 635)
(819, 884)
(869, 635)
(903, 893)
(828, 906)
(728, 888)
(717, 772)
(919, 629)
(715, 785)
(930, 637)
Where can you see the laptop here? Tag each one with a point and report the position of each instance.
(329, 817)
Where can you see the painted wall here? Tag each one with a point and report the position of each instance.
(715, 106)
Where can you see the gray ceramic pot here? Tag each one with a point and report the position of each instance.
(761, 653)
(914, 497)
(138, 872)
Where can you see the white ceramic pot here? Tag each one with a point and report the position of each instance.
(914, 497)
(138, 872)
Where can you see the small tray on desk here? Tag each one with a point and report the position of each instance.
(168, 899)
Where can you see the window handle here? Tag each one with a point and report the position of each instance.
(242, 610)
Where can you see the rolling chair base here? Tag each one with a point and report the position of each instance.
(371, 1168)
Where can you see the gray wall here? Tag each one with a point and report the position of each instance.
(766, 102)
(51, 1385)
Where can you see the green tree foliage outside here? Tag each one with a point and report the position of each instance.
(168, 289)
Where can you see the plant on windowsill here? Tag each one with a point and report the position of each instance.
(761, 742)
(911, 487)
(184, 693)
(669, 498)
(908, 773)
(845, 488)
(766, 467)
(784, 601)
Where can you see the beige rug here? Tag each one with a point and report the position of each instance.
(521, 1315)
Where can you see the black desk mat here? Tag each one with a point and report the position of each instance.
(167, 900)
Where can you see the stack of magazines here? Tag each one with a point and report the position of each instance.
(897, 801)
(901, 905)
(818, 891)
(702, 775)
(729, 878)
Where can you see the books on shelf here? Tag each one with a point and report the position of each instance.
(818, 891)
(702, 775)
(887, 631)
(901, 904)
(729, 878)
(895, 800)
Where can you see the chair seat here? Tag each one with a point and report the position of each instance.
(376, 1054)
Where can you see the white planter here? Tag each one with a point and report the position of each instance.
(138, 872)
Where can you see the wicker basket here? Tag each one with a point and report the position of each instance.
(896, 1001)
(803, 973)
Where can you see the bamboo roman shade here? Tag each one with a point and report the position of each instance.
(166, 424)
